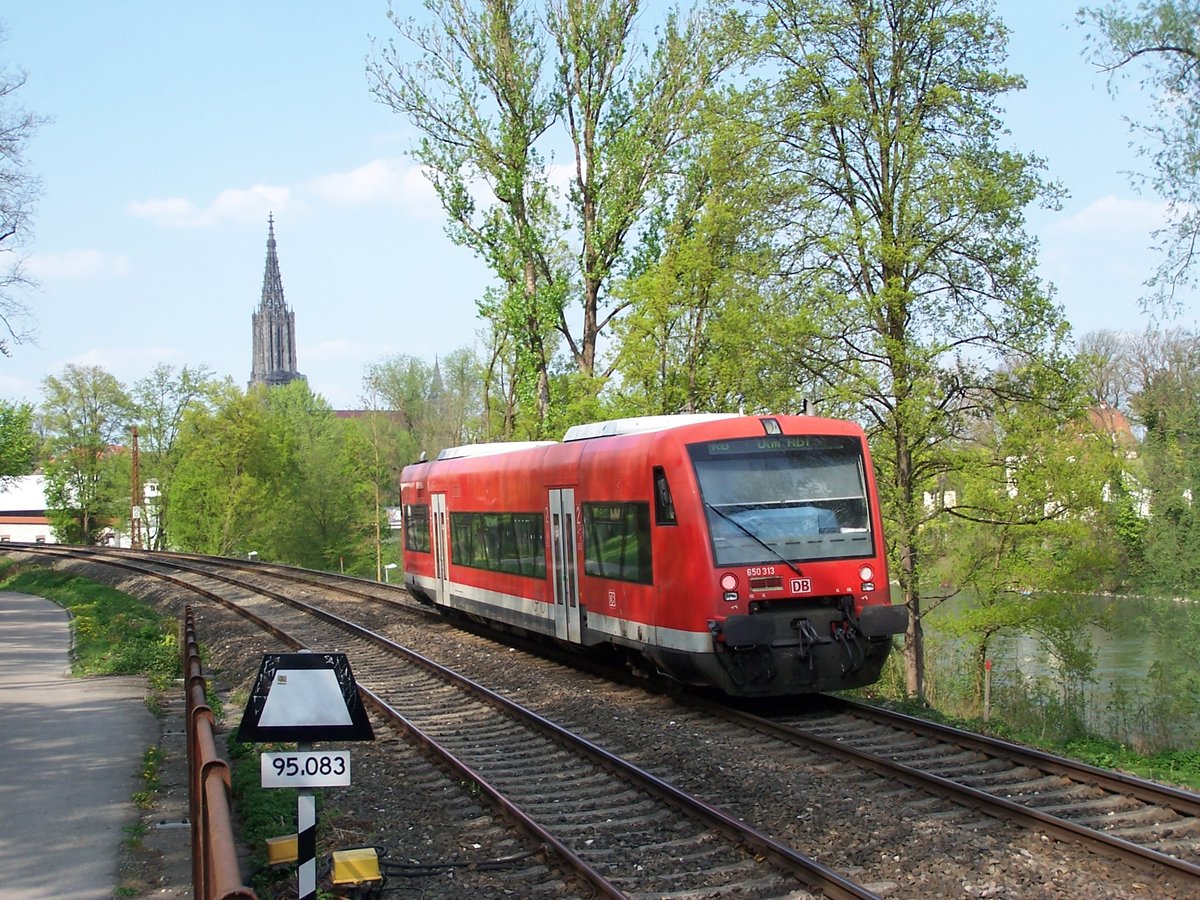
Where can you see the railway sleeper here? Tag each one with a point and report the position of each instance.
(982, 775)
(1101, 805)
(1132, 820)
(721, 874)
(576, 809)
(646, 827)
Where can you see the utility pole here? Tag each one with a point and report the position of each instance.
(135, 507)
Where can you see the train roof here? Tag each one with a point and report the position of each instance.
(470, 450)
(589, 431)
(639, 424)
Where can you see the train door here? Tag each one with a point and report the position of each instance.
(567, 618)
(441, 525)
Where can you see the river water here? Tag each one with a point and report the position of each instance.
(1123, 701)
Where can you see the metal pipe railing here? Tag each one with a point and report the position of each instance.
(215, 872)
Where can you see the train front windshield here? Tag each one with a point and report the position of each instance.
(784, 497)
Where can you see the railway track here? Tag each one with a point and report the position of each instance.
(621, 829)
(1149, 821)
(1150, 825)
(931, 760)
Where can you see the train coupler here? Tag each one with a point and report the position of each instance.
(845, 634)
(809, 638)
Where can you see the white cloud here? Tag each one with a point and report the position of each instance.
(381, 180)
(167, 208)
(232, 204)
(391, 181)
(13, 387)
(1111, 215)
(76, 264)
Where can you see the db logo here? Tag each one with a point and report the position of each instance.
(801, 585)
(612, 599)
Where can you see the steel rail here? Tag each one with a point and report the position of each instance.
(1182, 801)
(1027, 817)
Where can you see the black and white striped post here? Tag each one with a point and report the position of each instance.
(306, 839)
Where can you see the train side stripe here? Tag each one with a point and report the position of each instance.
(538, 616)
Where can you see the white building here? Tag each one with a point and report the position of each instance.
(23, 511)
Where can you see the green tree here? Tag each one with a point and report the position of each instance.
(18, 441)
(272, 471)
(1022, 524)
(1158, 44)
(906, 248)
(1107, 369)
(383, 447)
(19, 190)
(484, 96)
(1167, 404)
(624, 121)
(436, 411)
(85, 414)
(477, 94)
(221, 489)
(315, 516)
(160, 401)
(702, 331)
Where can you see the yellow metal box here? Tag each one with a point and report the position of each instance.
(281, 850)
(356, 866)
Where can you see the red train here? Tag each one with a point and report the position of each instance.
(743, 553)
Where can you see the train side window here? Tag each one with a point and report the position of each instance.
(664, 506)
(513, 543)
(616, 541)
(416, 528)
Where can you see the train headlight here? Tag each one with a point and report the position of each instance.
(729, 584)
(866, 573)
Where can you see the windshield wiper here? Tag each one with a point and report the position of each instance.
(754, 537)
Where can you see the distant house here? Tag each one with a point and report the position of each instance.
(1112, 425)
(23, 511)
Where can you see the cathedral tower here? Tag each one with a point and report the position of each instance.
(274, 326)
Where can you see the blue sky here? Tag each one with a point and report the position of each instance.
(178, 127)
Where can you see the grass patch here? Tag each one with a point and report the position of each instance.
(264, 812)
(134, 834)
(151, 763)
(114, 633)
(1180, 767)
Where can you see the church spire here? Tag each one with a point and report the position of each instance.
(272, 290)
(274, 325)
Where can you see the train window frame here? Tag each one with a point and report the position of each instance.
(832, 544)
(623, 526)
(480, 539)
(417, 534)
(664, 503)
